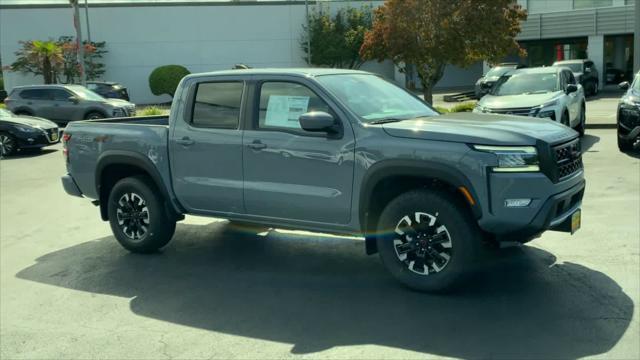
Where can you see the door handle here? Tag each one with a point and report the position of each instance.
(185, 141)
(257, 145)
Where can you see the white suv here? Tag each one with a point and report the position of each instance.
(547, 92)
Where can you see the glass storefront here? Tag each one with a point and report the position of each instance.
(546, 52)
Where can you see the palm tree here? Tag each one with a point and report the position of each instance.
(40, 58)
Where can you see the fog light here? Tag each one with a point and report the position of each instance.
(511, 203)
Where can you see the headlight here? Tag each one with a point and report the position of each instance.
(119, 112)
(513, 158)
(27, 129)
(631, 100)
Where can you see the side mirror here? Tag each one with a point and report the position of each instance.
(624, 85)
(485, 86)
(317, 121)
(587, 70)
(74, 99)
(571, 88)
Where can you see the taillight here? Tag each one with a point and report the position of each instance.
(66, 137)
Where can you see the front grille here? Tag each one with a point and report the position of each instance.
(568, 158)
(522, 111)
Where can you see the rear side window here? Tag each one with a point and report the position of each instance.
(33, 94)
(217, 105)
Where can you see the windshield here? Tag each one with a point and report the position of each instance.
(85, 93)
(636, 83)
(5, 113)
(373, 98)
(575, 67)
(526, 83)
(498, 71)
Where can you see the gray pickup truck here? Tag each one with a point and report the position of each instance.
(334, 151)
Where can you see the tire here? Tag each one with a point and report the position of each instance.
(8, 144)
(564, 120)
(151, 228)
(625, 145)
(450, 232)
(23, 113)
(94, 115)
(580, 128)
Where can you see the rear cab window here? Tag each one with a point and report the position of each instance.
(217, 105)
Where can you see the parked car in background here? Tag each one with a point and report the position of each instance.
(25, 132)
(545, 92)
(628, 115)
(485, 83)
(64, 103)
(331, 150)
(108, 89)
(585, 72)
(614, 76)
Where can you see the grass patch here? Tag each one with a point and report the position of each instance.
(463, 107)
(152, 110)
(2, 106)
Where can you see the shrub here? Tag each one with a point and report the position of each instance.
(152, 110)
(464, 107)
(2, 106)
(165, 79)
(441, 109)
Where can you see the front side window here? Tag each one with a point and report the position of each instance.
(59, 95)
(85, 93)
(526, 83)
(217, 105)
(282, 103)
(373, 98)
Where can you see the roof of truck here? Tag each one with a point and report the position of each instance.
(283, 71)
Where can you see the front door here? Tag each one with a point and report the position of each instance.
(206, 150)
(290, 173)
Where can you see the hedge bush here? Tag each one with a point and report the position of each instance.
(165, 79)
(464, 107)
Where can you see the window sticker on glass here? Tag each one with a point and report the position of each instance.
(284, 111)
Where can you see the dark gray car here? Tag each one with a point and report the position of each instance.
(585, 72)
(64, 103)
(336, 151)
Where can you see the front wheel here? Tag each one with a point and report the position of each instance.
(580, 128)
(427, 239)
(138, 217)
(625, 145)
(94, 115)
(8, 144)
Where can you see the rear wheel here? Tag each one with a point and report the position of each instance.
(23, 113)
(625, 145)
(427, 240)
(8, 144)
(138, 217)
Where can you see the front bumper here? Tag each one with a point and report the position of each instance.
(551, 207)
(70, 186)
(38, 139)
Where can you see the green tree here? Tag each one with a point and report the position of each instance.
(165, 79)
(431, 34)
(336, 40)
(39, 58)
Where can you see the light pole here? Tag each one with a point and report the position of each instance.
(86, 16)
(78, 26)
(306, 7)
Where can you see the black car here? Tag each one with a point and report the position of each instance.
(108, 89)
(485, 83)
(25, 132)
(628, 117)
(585, 72)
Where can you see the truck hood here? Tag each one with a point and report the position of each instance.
(517, 101)
(485, 129)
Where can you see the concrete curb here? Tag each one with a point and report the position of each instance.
(601, 126)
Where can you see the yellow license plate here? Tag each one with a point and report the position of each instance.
(54, 136)
(576, 221)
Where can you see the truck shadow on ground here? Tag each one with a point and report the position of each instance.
(319, 292)
(587, 142)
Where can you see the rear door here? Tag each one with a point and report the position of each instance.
(290, 173)
(206, 148)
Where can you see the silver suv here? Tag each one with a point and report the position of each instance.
(64, 103)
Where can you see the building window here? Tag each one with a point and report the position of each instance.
(588, 4)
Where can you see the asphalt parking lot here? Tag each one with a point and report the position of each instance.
(68, 290)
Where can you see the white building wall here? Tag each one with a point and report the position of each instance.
(138, 39)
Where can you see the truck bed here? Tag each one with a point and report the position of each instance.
(91, 141)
